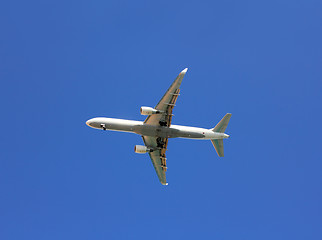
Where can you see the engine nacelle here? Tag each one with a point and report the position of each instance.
(148, 111)
(141, 149)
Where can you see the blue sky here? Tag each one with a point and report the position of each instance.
(63, 62)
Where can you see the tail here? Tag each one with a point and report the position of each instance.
(220, 128)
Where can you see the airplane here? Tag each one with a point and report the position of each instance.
(157, 129)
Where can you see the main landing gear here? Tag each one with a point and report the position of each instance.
(163, 124)
(160, 142)
(103, 126)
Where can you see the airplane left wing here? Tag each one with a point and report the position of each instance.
(166, 104)
(158, 158)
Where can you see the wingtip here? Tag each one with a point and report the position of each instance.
(184, 70)
(165, 184)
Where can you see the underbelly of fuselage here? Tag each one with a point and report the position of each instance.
(165, 132)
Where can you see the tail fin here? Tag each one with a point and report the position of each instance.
(220, 127)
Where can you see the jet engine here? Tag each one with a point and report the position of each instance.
(141, 149)
(148, 111)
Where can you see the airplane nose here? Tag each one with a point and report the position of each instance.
(88, 123)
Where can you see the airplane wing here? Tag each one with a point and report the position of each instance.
(158, 157)
(166, 104)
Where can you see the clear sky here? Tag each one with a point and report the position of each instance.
(63, 62)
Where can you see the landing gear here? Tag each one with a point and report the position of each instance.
(163, 124)
(103, 126)
(160, 142)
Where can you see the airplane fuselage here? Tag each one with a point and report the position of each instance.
(139, 127)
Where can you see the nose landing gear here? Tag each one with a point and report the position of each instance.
(103, 126)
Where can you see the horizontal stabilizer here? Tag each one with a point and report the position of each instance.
(222, 125)
(219, 146)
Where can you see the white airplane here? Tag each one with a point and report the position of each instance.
(157, 128)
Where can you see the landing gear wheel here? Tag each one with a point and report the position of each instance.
(163, 124)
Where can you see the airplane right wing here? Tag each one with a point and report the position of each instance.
(158, 158)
